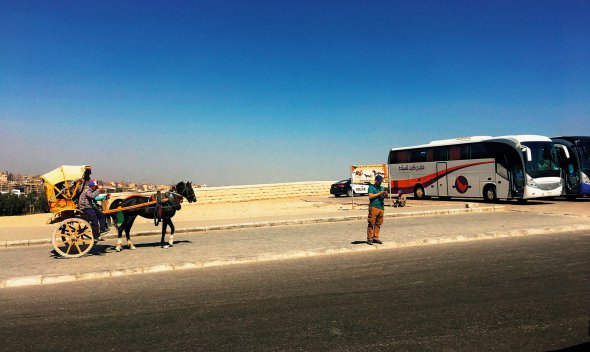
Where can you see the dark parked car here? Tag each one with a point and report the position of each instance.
(344, 188)
(341, 188)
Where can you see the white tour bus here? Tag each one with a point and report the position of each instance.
(508, 167)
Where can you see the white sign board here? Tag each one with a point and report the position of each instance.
(362, 174)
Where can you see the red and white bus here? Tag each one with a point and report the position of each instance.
(507, 167)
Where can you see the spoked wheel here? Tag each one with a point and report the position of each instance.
(73, 238)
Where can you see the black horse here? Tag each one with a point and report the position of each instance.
(163, 210)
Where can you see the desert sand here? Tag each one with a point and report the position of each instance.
(191, 215)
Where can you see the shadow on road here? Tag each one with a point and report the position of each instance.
(103, 249)
(157, 244)
(358, 242)
(97, 250)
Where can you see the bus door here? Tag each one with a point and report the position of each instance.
(442, 186)
(570, 171)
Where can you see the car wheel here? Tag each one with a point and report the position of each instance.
(350, 193)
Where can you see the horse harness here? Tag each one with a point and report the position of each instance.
(172, 201)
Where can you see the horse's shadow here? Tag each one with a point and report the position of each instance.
(157, 244)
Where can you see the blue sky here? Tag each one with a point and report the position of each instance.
(243, 92)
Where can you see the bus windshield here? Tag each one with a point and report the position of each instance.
(544, 160)
(584, 153)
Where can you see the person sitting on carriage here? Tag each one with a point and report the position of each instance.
(102, 219)
(86, 204)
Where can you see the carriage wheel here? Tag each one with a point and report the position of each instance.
(73, 238)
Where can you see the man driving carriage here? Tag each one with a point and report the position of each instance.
(87, 204)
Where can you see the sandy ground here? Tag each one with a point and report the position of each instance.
(239, 212)
(254, 209)
(558, 206)
(18, 227)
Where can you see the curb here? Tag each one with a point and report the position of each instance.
(27, 243)
(39, 280)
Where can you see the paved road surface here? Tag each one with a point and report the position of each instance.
(275, 240)
(525, 294)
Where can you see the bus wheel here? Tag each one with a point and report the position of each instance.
(419, 192)
(489, 194)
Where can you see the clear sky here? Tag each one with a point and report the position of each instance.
(242, 92)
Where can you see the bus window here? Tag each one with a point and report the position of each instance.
(459, 152)
(399, 157)
(454, 153)
(584, 150)
(403, 157)
(392, 158)
(501, 170)
(518, 177)
(465, 152)
(566, 163)
(417, 156)
(440, 154)
(480, 151)
(544, 160)
(429, 155)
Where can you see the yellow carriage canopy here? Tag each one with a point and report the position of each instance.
(64, 173)
(63, 185)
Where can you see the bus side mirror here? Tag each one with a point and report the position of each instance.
(529, 155)
(567, 154)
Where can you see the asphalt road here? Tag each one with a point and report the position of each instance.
(525, 294)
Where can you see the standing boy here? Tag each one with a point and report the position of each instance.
(377, 196)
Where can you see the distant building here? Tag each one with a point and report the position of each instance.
(20, 184)
(33, 187)
(27, 184)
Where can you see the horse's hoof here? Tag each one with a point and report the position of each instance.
(165, 246)
(171, 243)
(130, 245)
(118, 248)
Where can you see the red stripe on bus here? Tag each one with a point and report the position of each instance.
(428, 179)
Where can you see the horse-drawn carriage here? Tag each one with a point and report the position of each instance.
(72, 236)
